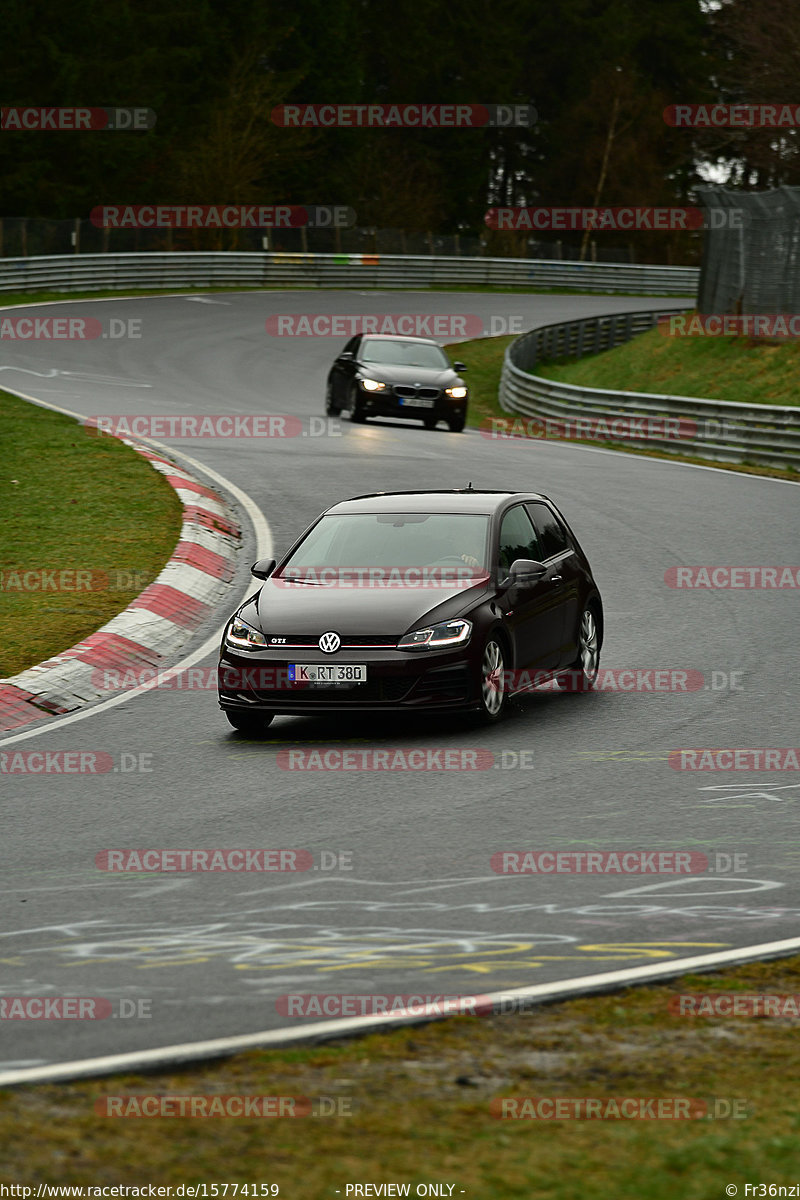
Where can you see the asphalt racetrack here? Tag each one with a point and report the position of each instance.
(402, 899)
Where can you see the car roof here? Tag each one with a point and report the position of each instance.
(399, 337)
(459, 501)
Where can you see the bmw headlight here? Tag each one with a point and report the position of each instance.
(437, 637)
(458, 393)
(242, 636)
(372, 385)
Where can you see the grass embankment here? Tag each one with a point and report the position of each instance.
(710, 368)
(419, 1107)
(72, 502)
(715, 368)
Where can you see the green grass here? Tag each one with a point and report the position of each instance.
(419, 1107)
(72, 502)
(716, 368)
(484, 359)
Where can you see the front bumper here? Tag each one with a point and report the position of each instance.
(387, 404)
(397, 681)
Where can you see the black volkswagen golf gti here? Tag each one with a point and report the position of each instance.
(406, 601)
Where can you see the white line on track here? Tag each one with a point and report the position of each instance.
(169, 1056)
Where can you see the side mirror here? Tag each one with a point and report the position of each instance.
(459, 367)
(263, 568)
(346, 356)
(524, 572)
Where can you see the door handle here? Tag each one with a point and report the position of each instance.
(556, 579)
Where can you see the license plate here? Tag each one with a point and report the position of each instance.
(327, 673)
(415, 402)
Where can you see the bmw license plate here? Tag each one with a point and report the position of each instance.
(327, 673)
(415, 402)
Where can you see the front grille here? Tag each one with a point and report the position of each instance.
(366, 641)
(388, 691)
(421, 393)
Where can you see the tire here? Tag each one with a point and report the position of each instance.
(493, 697)
(331, 408)
(457, 424)
(582, 674)
(249, 722)
(356, 406)
(430, 422)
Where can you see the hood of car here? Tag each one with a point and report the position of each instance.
(391, 373)
(279, 610)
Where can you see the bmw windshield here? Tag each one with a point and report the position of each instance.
(405, 354)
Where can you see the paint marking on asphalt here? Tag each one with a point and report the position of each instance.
(169, 1056)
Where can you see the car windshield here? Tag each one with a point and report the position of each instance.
(393, 540)
(406, 354)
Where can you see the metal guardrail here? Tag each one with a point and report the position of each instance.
(720, 430)
(112, 272)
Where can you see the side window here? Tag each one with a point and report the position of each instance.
(517, 538)
(353, 344)
(552, 535)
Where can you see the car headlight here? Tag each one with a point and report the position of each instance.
(437, 637)
(458, 393)
(372, 385)
(243, 636)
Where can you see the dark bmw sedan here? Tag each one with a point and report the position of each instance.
(409, 377)
(407, 601)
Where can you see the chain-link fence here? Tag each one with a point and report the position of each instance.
(751, 258)
(23, 237)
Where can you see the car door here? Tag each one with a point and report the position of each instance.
(533, 612)
(564, 572)
(343, 371)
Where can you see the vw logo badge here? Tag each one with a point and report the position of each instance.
(329, 643)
